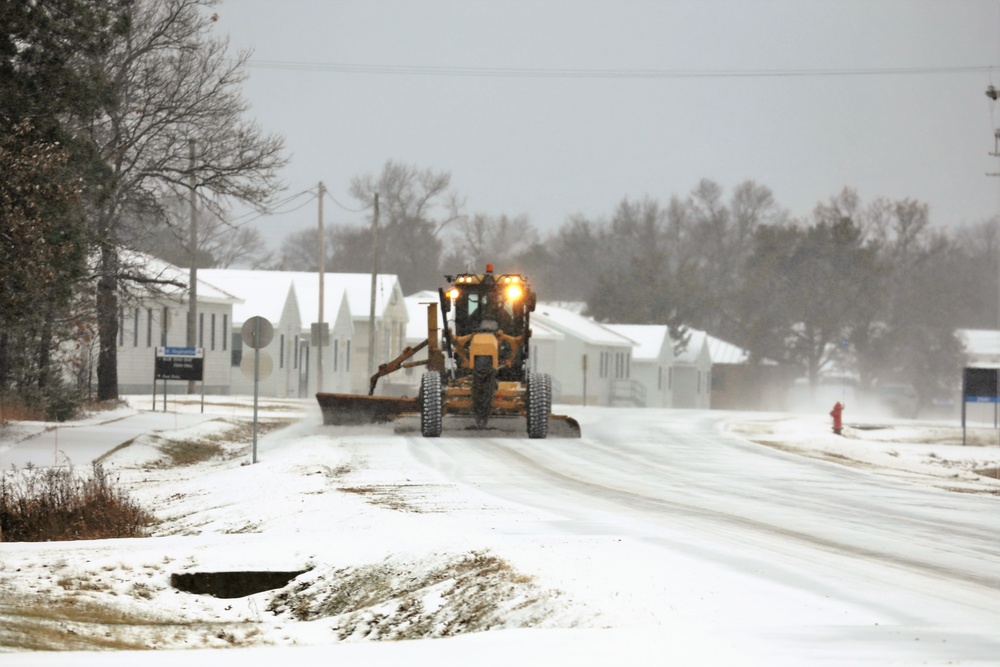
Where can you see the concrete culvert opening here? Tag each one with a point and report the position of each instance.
(231, 584)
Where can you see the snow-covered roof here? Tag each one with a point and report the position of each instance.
(725, 353)
(719, 351)
(982, 344)
(306, 285)
(539, 331)
(264, 293)
(649, 339)
(151, 267)
(270, 287)
(574, 324)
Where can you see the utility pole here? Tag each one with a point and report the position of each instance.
(993, 94)
(192, 320)
(322, 257)
(371, 304)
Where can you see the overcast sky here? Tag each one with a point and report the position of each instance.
(596, 101)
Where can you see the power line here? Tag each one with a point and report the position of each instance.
(346, 208)
(254, 215)
(583, 73)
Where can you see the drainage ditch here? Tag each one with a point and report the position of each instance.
(231, 584)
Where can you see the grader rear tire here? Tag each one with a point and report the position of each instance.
(430, 404)
(539, 404)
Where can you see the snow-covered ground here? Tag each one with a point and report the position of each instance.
(660, 537)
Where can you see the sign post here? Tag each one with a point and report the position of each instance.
(179, 363)
(979, 385)
(257, 332)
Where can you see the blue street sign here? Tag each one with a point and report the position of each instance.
(179, 352)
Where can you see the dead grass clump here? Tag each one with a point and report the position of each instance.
(394, 600)
(13, 409)
(190, 452)
(54, 504)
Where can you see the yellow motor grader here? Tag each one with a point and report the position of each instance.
(477, 374)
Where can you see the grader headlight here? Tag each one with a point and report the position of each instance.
(452, 293)
(514, 292)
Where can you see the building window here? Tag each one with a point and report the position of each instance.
(718, 381)
(149, 327)
(347, 357)
(201, 329)
(213, 332)
(336, 353)
(225, 330)
(164, 325)
(236, 356)
(281, 351)
(295, 359)
(121, 326)
(135, 328)
(659, 378)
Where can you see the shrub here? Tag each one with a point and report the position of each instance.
(50, 504)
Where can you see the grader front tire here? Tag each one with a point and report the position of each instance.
(539, 404)
(430, 406)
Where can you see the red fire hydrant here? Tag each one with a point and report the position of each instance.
(837, 414)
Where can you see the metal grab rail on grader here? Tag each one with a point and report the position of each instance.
(476, 375)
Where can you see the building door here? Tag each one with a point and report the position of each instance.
(303, 368)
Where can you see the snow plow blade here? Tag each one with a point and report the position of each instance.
(354, 410)
(499, 426)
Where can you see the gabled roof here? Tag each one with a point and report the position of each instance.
(572, 324)
(719, 351)
(265, 289)
(264, 293)
(697, 346)
(358, 286)
(649, 339)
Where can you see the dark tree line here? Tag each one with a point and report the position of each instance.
(872, 290)
(110, 111)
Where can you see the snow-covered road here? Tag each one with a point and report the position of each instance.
(803, 549)
(658, 535)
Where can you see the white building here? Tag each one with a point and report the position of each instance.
(290, 300)
(271, 295)
(693, 373)
(157, 317)
(652, 362)
(590, 363)
(340, 351)
(391, 319)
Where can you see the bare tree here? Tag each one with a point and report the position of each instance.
(298, 250)
(415, 207)
(485, 238)
(174, 83)
(221, 244)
